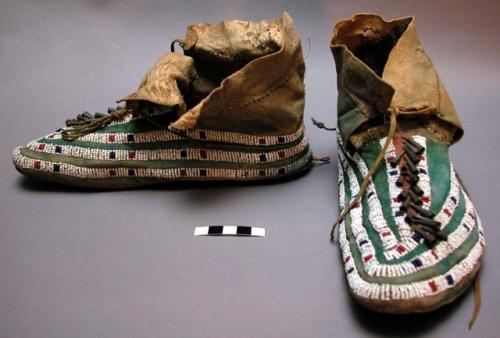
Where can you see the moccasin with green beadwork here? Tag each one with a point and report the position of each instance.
(411, 239)
(228, 108)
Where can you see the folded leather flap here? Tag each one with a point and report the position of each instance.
(166, 82)
(381, 65)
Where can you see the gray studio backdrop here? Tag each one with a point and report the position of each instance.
(75, 263)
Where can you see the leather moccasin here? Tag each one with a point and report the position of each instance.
(229, 107)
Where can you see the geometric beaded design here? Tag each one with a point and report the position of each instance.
(384, 258)
(132, 149)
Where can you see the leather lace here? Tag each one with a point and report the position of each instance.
(86, 123)
(420, 220)
(394, 113)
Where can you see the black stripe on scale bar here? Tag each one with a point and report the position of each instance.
(230, 230)
(215, 230)
(243, 230)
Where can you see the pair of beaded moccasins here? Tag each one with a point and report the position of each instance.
(231, 108)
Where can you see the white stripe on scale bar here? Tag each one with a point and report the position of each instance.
(230, 230)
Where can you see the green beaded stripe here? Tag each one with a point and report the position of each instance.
(160, 164)
(438, 162)
(374, 235)
(380, 180)
(175, 144)
(436, 270)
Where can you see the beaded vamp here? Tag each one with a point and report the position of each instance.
(414, 240)
(137, 150)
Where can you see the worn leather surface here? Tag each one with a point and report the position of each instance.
(381, 65)
(237, 76)
(165, 82)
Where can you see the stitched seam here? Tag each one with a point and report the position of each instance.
(264, 95)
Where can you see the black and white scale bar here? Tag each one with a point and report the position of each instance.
(229, 230)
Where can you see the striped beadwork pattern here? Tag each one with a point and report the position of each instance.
(384, 258)
(137, 147)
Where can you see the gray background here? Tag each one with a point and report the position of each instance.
(75, 263)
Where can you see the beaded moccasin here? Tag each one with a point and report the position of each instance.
(411, 239)
(230, 108)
